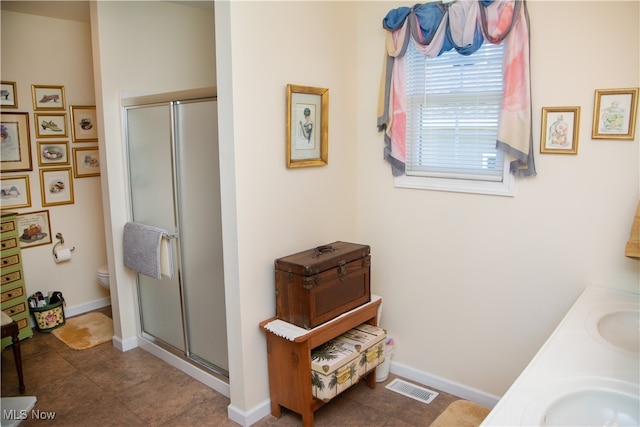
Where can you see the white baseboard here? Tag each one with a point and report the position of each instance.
(126, 345)
(457, 389)
(246, 419)
(70, 311)
(260, 411)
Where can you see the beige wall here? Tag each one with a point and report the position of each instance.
(473, 285)
(47, 51)
(140, 48)
(459, 309)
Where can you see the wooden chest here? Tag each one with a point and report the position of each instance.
(317, 285)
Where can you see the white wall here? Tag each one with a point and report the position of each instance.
(47, 51)
(473, 285)
(262, 47)
(140, 47)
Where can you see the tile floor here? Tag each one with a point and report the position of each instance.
(106, 387)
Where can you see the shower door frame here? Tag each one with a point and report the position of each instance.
(172, 100)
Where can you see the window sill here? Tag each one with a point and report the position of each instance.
(505, 188)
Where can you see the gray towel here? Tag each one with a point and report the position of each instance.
(142, 250)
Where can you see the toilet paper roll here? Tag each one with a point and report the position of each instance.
(62, 254)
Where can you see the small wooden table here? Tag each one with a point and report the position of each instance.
(290, 361)
(11, 330)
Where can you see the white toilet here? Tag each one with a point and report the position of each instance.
(103, 276)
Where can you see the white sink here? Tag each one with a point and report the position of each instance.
(584, 401)
(617, 326)
(593, 408)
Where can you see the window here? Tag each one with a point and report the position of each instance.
(453, 108)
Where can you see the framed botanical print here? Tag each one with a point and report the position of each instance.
(15, 150)
(48, 97)
(614, 113)
(560, 126)
(84, 126)
(56, 186)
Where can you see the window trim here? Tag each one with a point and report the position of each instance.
(506, 187)
(500, 187)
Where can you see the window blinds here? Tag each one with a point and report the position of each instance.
(453, 109)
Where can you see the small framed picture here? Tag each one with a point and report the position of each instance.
(48, 97)
(84, 126)
(307, 126)
(8, 95)
(51, 125)
(560, 126)
(56, 186)
(86, 162)
(614, 113)
(34, 229)
(15, 192)
(53, 153)
(15, 151)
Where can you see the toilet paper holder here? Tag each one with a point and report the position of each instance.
(60, 242)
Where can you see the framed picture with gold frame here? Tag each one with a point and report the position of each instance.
(86, 162)
(48, 97)
(51, 125)
(34, 229)
(560, 128)
(16, 143)
(56, 186)
(84, 126)
(8, 95)
(307, 126)
(15, 192)
(53, 153)
(614, 113)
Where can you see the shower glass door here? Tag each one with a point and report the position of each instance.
(175, 185)
(149, 138)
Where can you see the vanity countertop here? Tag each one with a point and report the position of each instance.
(576, 357)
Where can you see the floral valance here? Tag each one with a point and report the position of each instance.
(462, 25)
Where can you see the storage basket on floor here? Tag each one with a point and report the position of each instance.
(49, 317)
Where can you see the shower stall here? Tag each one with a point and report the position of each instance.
(174, 184)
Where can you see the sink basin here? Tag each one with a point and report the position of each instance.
(622, 329)
(585, 401)
(593, 408)
(616, 326)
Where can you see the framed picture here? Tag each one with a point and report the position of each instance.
(84, 126)
(34, 229)
(56, 186)
(53, 153)
(307, 126)
(560, 126)
(51, 125)
(8, 95)
(86, 162)
(15, 192)
(15, 151)
(614, 114)
(48, 97)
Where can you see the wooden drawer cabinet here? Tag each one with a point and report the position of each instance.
(290, 361)
(13, 291)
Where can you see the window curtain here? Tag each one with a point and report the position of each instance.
(462, 25)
